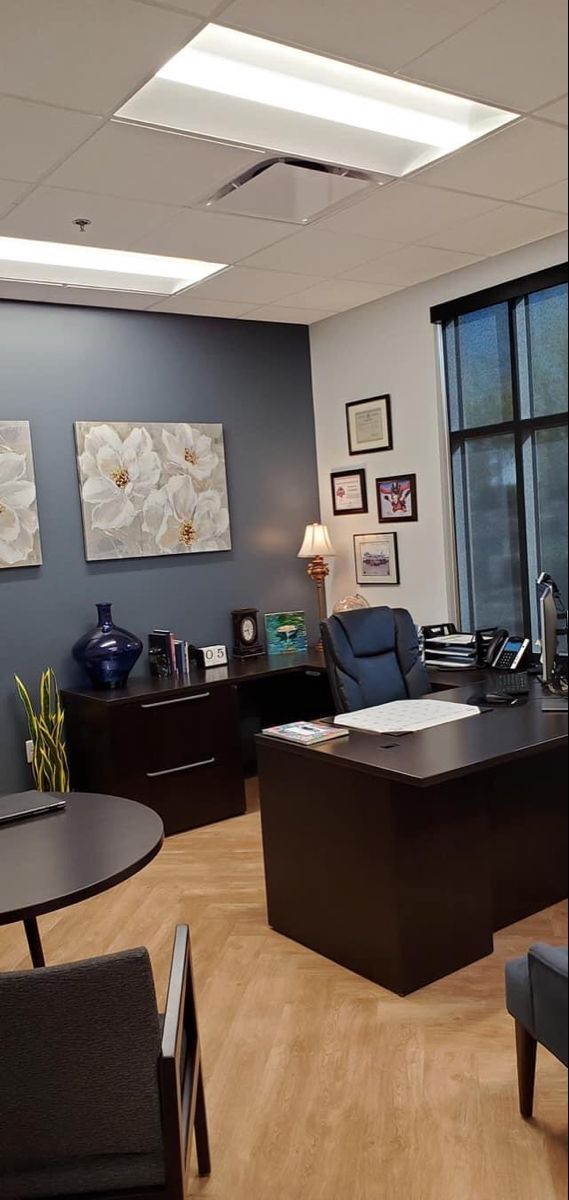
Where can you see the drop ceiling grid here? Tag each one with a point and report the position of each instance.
(159, 215)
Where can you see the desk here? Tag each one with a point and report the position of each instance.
(400, 857)
(184, 746)
(52, 861)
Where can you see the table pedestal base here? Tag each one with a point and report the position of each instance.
(34, 942)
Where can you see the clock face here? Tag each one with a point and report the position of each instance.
(248, 630)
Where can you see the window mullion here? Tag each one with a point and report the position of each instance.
(520, 469)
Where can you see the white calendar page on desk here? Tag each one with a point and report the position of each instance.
(406, 716)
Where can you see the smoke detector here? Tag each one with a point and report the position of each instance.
(290, 190)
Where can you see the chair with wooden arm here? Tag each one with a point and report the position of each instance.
(101, 1096)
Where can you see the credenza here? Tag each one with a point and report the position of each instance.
(184, 747)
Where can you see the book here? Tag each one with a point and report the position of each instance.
(306, 733)
(159, 654)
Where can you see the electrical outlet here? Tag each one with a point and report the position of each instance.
(30, 751)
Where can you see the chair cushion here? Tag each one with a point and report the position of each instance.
(369, 631)
(550, 992)
(518, 993)
(84, 1175)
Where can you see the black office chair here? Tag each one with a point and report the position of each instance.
(101, 1095)
(372, 656)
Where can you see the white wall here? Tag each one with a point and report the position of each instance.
(391, 346)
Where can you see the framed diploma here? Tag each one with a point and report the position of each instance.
(369, 425)
(349, 492)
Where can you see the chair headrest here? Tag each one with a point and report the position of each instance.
(369, 630)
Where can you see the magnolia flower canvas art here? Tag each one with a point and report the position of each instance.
(19, 526)
(151, 489)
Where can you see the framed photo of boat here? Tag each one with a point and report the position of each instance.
(377, 559)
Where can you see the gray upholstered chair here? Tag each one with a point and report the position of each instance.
(100, 1095)
(536, 996)
(372, 656)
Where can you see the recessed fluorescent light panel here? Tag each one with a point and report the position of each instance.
(239, 88)
(90, 267)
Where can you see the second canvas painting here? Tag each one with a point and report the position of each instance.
(152, 489)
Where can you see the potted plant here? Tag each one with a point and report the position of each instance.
(50, 768)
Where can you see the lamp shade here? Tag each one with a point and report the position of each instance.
(316, 542)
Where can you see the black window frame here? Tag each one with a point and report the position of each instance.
(519, 427)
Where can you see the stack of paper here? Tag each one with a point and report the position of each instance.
(452, 650)
(407, 716)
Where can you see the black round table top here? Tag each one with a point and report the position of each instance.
(49, 862)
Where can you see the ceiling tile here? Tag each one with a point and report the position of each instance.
(515, 55)
(35, 138)
(554, 198)
(411, 264)
(212, 236)
(192, 305)
(405, 212)
(48, 215)
(201, 8)
(89, 56)
(314, 252)
(379, 33)
(558, 111)
(81, 296)
(288, 316)
(503, 229)
(507, 165)
(337, 295)
(144, 164)
(10, 193)
(258, 287)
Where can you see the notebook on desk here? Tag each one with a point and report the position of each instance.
(406, 716)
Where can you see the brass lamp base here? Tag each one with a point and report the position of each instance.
(318, 570)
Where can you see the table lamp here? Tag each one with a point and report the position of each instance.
(317, 546)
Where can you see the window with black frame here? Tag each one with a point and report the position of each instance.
(505, 355)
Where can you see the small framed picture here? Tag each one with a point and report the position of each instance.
(349, 492)
(397, 498)
(377, 558)
(369, 425)
(286, 633)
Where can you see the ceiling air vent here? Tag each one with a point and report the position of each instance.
(290, 190)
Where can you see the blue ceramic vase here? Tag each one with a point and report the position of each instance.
(107, 653)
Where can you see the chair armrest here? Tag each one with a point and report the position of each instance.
(172, 1035)
(548, 971)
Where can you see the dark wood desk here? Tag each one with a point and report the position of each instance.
(184, 747)
(52, 861)
(399, 857)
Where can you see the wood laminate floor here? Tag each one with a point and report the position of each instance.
(320, 1085)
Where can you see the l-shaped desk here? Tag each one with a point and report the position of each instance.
(400, 857)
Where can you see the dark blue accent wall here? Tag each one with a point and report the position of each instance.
(61, 364)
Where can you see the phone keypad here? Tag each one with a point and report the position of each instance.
(507, 659)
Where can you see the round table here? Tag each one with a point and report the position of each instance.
(52, 861)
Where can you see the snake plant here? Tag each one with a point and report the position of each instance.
(50, 768)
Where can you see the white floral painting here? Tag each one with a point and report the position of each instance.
(151, 489)
(19, 526)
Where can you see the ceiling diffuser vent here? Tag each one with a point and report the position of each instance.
(290, 190)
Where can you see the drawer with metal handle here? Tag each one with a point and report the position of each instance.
(176, 734)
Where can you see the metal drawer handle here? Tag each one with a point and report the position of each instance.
(180, 700)
(207, 762)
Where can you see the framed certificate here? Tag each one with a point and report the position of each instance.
(369, 425)
(349, 492)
